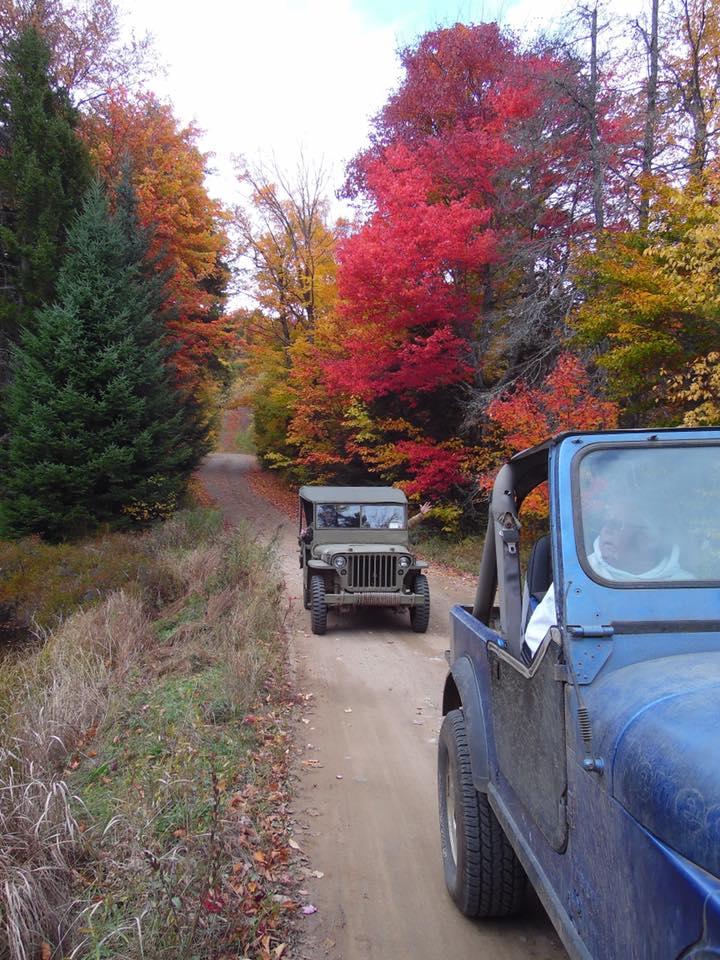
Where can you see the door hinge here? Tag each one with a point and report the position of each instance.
(596, 630)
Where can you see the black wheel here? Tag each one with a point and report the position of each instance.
(420, 616)
(482, 873)
(306, 599)
(318, 607)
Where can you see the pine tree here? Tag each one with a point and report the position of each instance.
(98, 433)
(44, 172)
(198, 421)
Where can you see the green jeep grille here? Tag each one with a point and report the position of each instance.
(374, 571)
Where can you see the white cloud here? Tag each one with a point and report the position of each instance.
(272, 79)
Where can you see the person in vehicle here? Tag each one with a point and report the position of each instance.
(631, 545)
(377, 517)
(425, 509)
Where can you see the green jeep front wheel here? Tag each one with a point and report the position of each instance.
(318, 606)
(420, 616)
(482, 872)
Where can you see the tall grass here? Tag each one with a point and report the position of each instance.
(204, 605)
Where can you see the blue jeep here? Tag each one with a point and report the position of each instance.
(589, 761)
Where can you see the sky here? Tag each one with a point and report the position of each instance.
(274, 79)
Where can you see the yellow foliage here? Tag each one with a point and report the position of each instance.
(698, 391)
(448, 516)
(654, 298)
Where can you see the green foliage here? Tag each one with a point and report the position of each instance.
(652, 298)
(461, 553)
(44, 172)
(271, 416)
(447, 516)
(97, 431)
(243, 441)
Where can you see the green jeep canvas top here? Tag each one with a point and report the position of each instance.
(352, 495)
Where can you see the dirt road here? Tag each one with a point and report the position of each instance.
(367, 797)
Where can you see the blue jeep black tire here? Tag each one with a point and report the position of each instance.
(482, 873)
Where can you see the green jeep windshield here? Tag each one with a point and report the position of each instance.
(375, 516)
(649, 513)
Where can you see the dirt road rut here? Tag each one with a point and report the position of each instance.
(367, 797)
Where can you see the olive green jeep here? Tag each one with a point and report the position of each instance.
(354, 551)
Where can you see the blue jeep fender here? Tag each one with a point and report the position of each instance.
(462, 691)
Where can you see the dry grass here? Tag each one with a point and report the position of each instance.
(50, 702)
(41, 845)
(202, 616)
(51, 699)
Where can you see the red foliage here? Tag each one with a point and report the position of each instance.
(530, 415)
(477, 183)
(435, 470)
(479, 170)
(408, 321)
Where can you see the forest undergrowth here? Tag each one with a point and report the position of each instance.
(144, 760)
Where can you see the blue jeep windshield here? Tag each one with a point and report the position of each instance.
(374, 516)
(649, 514)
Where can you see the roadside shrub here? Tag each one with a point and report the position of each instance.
(186, 529)
(42, 583)
(167, 681)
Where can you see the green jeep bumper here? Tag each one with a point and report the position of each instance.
(369, 599)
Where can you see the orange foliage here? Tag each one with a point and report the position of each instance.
(527, 416)
(564, 402)
(189, 239)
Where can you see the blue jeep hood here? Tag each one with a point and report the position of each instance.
(658, 728)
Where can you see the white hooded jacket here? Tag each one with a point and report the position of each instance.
(544, 615)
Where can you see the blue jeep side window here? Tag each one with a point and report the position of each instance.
(648, 514)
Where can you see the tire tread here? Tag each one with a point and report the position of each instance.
(493, 882)
(318, 606)
(420, 616)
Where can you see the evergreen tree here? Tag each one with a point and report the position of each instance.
(44, 172)
(199, 422)
(98, 433)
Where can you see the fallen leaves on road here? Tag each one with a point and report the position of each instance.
(259, 899)
(274, 489)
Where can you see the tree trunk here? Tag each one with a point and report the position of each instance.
(650, 117)
(596, 159)
(694, 96)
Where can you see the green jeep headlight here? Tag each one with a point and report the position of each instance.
(404, 561)
(339, 562)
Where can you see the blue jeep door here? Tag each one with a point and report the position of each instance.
(529, 721)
